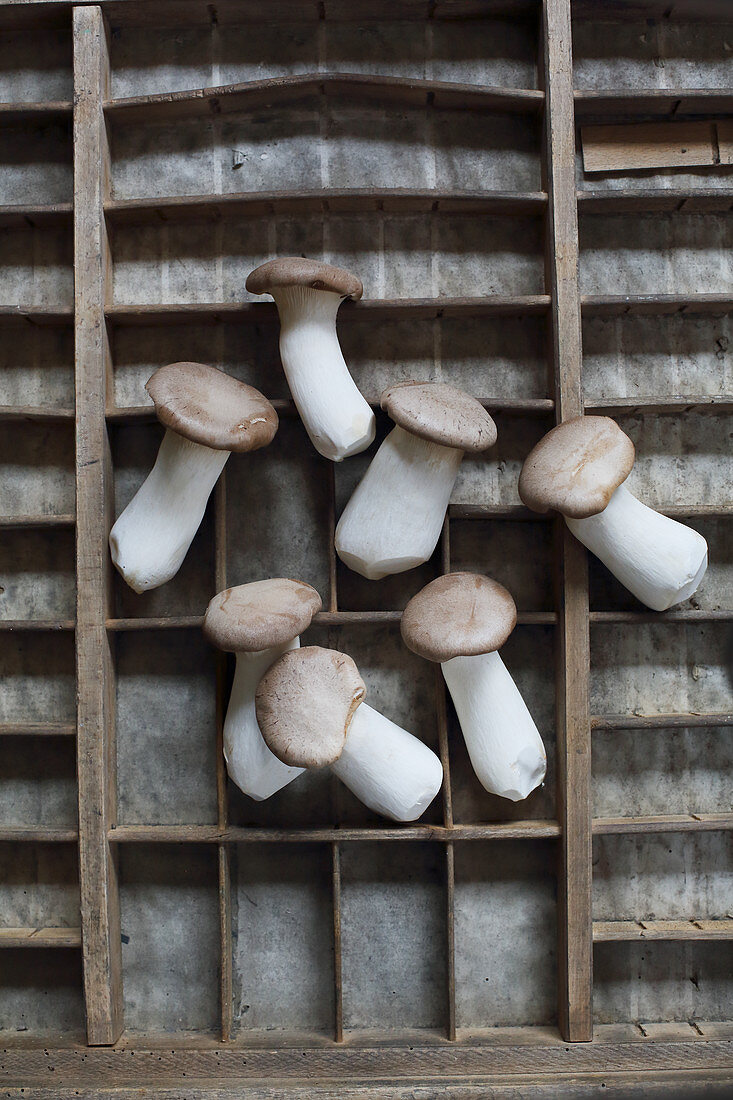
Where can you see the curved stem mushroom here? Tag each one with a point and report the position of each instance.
(258, 622)
(207, 415)
(460, 620)
(393, 520)
(308, 294)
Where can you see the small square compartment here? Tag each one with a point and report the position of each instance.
(283, 938)
(505, 933)
(170, 938)
(38, 676)
(38, 781)
(166, 727)
(37, 365)
(41, 994)
(39, 886)
(37, 266)
(394, 936)
(36, 469)
(517, 555)
(37, 574)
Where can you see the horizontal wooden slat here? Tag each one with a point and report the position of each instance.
(64, 520)
(255, 94)
(37, 315)
(37, 834)
(328, 200)
(613, 304)
(378, 308)
(673, 616)
(663, 823)
(9, 626)
(40, 937)
(659, 721)
(323, 618)
(645, 145)
(674, 404)
(629, 930)
(46, 111)
(497, 511)
(629, 200)
(212, 834)
(37, 214)
(651, 102)
(37, 729)
(34, 412)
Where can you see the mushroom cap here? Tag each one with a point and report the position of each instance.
(305, 703)
(296, 271)
(577, 467)
(459, 615)
(256, 616)
(207, 406)
(441, 414)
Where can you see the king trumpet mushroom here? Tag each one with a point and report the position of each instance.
(394, 518)
(461, 620)
(579, 468)
(308, 294)
(311, 712)
(207, 414)
(259, 622)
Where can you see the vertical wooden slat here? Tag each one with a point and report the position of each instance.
(333, 603)
(225, 888)
(575, 953)
(338, 1004)
(442, 716)
(100, 912)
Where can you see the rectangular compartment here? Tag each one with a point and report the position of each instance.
(497, 51)
(37, 574)
(492, 477)
(37, 267)
(41, 994)
(36, 162)
(36, 62)
(517, 555)
(529, 656)
(36, 469)
(505, 929)
(166, 727)
(38, 677)
(170, 938)
(283, 938)
(683, 771)
(38, 781)
(393, 929)
(39, 888)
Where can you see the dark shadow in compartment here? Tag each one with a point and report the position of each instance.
(134, 451)
(529, 655)
(37, 267)
(166, 727)
(36, 160)
(517, 555)
(492, 477)
(277, 511)
(36, 469)
(661, 667)
(505, 932)
(283, 938)
(39, 886)
(38, 677)
(36, 66)
(393, 929)
(647, 355)
(41, 991)
(170, 937)
(38, 368)
(371, 145)
(37, 578)
(658, 981)
(38, 781)
(247, 352)
(400, 686)
(668, 876)
(664, 771)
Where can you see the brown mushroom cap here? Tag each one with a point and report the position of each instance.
(295, 271)
(441, 414)
(305, 703)
(459, 615)
(207, 406)
(256, 616)
(577, 467)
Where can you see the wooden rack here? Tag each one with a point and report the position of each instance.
(560, 209)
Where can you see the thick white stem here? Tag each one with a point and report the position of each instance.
(336, 416)
(151, 538)
(661, 561)
(394, 518)
(389, 770)
(251, 765)
(503, 743)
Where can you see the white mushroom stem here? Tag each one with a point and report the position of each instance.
(151, 538)
(251, 765)
(389, 770)
(337, 418)
(659, 560)
(394, 518)
(503, 743)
